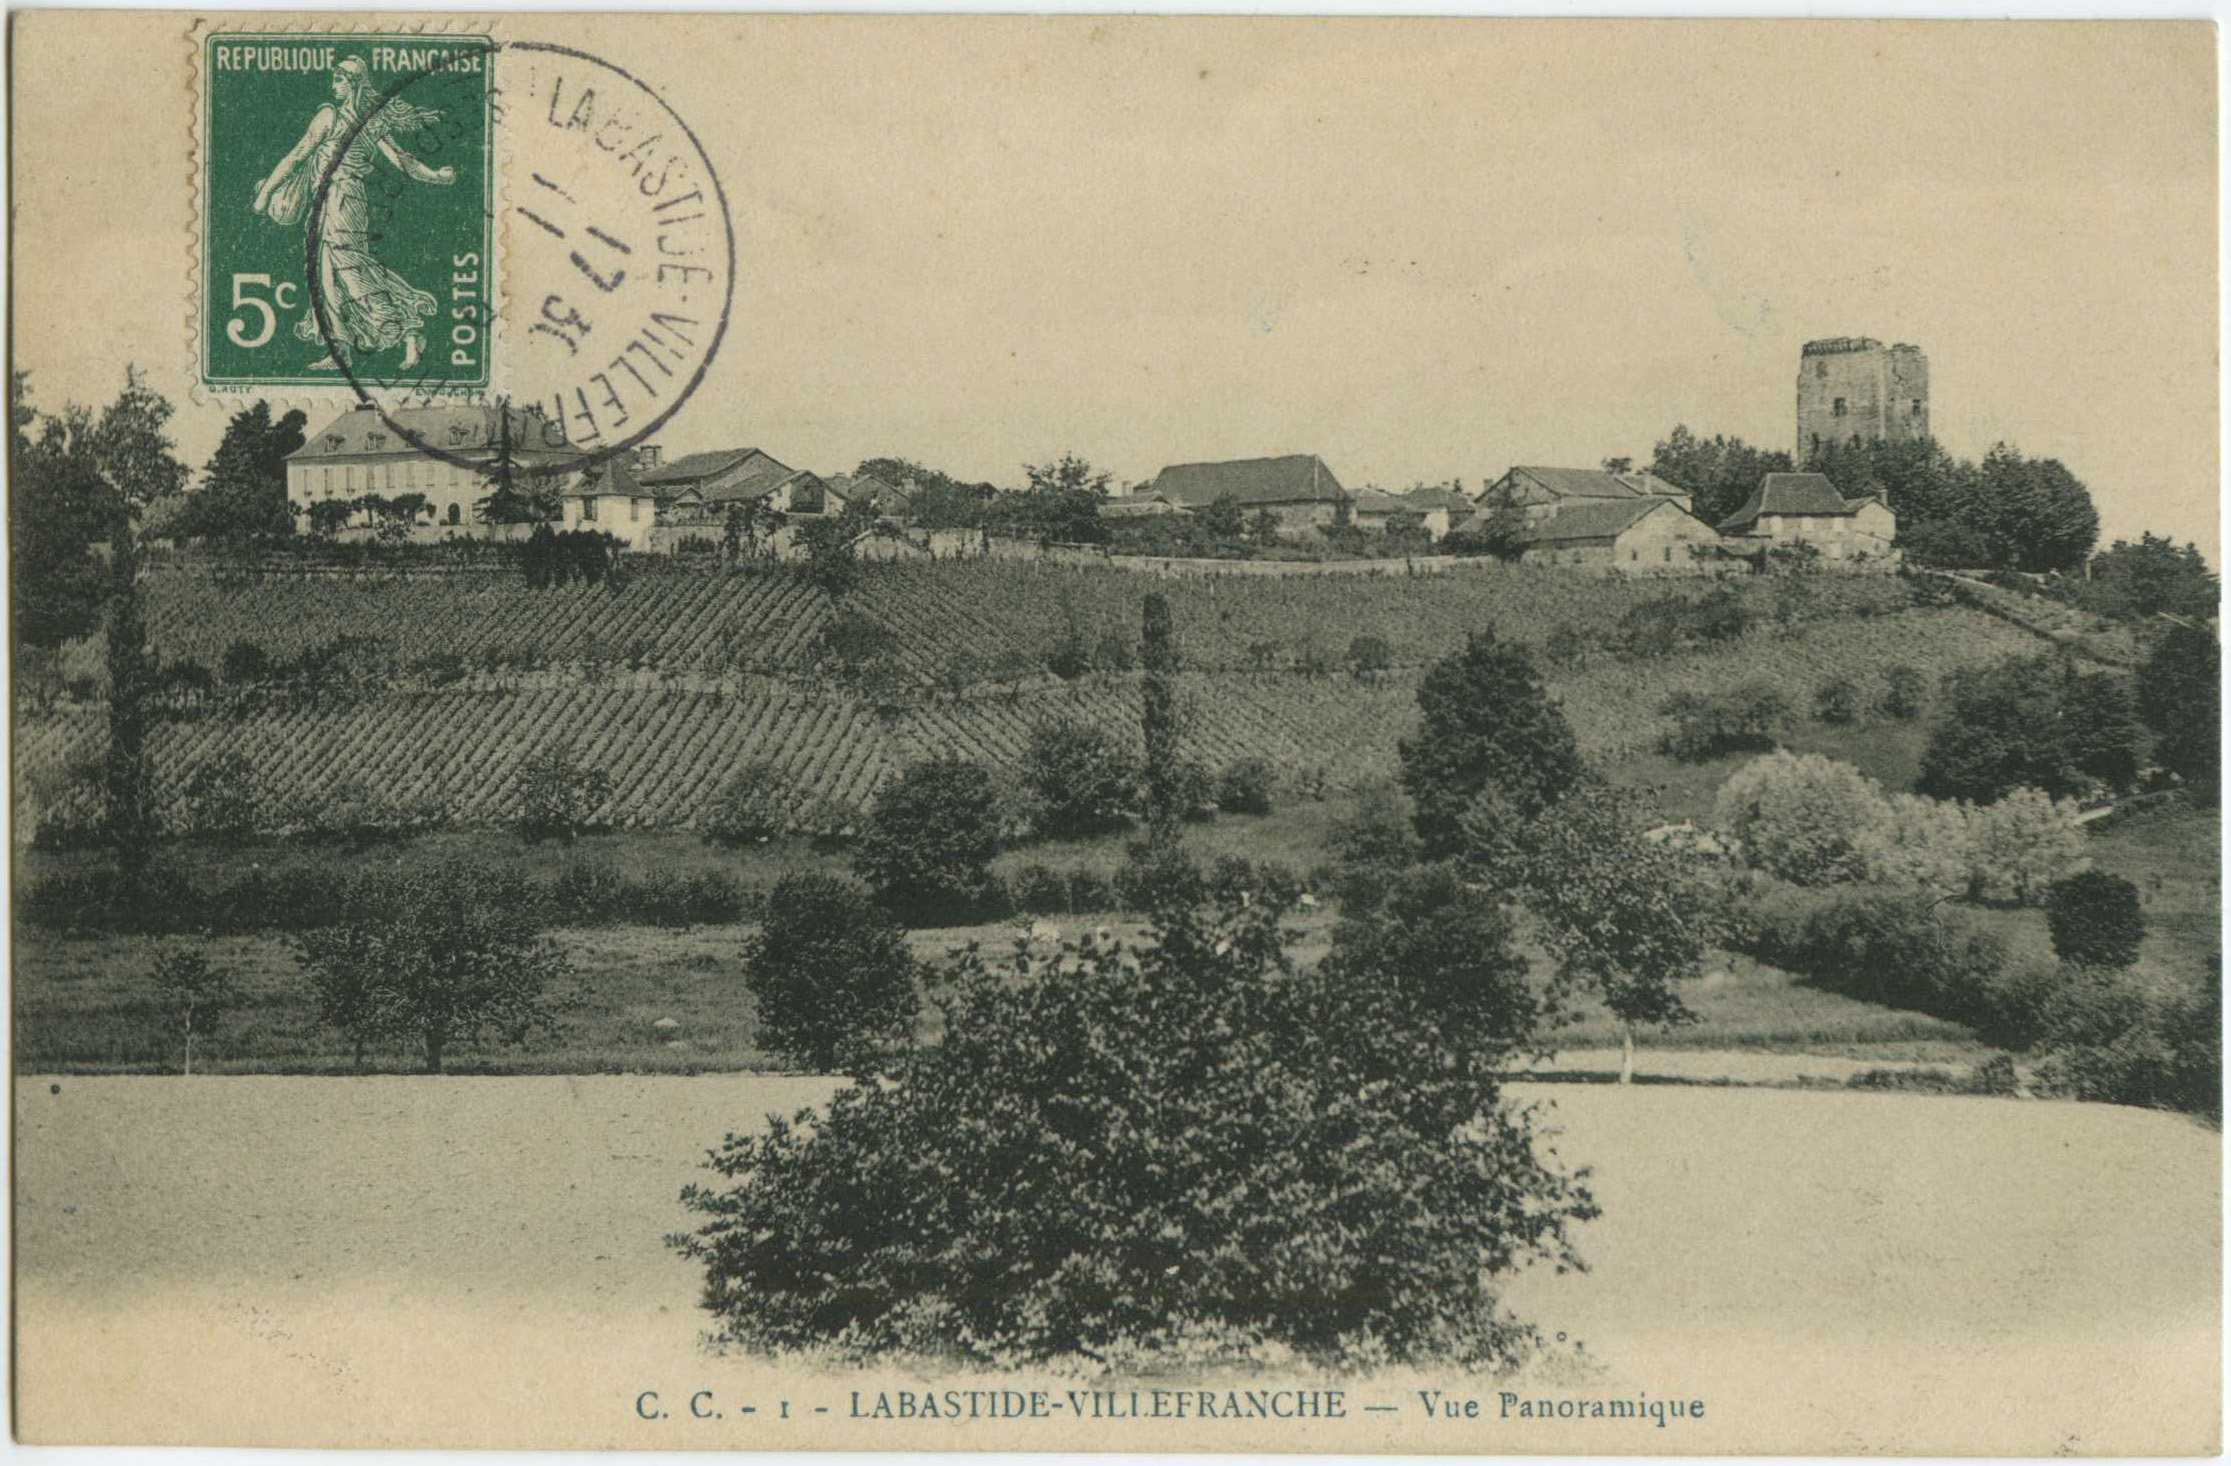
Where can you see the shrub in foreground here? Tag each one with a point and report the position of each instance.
(831, 974)
(1801, 818)
(1244, 787)
(753, 807)
(1111, 1148)
(1083, 782)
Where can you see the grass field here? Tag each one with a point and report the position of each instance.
(400, 1261)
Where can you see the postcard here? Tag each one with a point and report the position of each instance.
(1146, 734)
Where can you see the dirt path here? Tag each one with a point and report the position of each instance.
(399, 1261)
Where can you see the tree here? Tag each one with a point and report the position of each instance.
(1836, 701)
(830, 542)
(442, 954)
(558, 796)
(2030, 721)
(1063, 500)
(1369, 656)
(1081, 781)
(929, 840)
(1223, 518)
(1263, 528)
(243, 493)
(2180, 697)
(2150, 578)
(58, 509)
(194, 993)
(1799, 817)
(1622, 915)
(1486, 726)
(2095, 919)
(751, 809)
(1188, 1141)
(1502, 527)
(1158, 655)
(831, 976)
(1719, 474)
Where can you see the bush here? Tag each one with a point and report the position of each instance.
(221, 797)
(2106, 1041)
(1369, 656)
(1111, 653)
(1904, 693)
(1158, 874)
(831, 975)
(1039, 890)
(557, 797)
(441, 668)
(2095, 919)
(1070, 657)
(2030, 722)
(1084, 783)
(1244, 787)
(753, 807)
(1372, 846)
(194, 994)
(361, 815)
(1913, 840)
(929, 840)
(1749, 719)
(1836, 701)
(1891, 947)
(1800, 818)
(2180, 695)
(1187, 1145)
(1091, 891)
(244, 662)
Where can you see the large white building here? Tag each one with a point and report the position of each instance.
(361, 452)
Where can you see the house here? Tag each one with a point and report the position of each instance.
(699, 488)
(1805, 508)
(1643, 481)
(1644, 534)
(1374, 510)
(1441, 508)
(1299, 490)
(1541, 491)
(888, 500)
(365, 451)
(610, 496)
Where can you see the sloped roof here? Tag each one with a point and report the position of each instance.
(1643, 481)
(1578, 483)
(691, 467)
(1372, 501)
(1592, 520)
(1425, 500)
(1789, 493)
(1295, 479)
(858, 487)
(365, 430)
(615, 476)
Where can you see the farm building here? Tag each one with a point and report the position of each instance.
(697, 488)
(1642, 535)
(1794, 508)
(1374, 510)
(888, 500)
(1298, 489)
(365, 451)
(1541, 491)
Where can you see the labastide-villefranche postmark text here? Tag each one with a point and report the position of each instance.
(325, 191)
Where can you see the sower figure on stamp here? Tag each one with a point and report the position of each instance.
(368, 305)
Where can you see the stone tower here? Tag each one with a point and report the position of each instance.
(1853, 389)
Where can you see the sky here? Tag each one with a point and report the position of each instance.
(1419, 250)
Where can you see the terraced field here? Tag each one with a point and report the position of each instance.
(674, 682)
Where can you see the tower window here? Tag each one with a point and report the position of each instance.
(1916, 407)
(1820, 367)
(1840, 408)
(454, 513)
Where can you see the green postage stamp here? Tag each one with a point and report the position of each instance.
(348, 196)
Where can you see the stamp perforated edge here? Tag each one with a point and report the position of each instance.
(341, 394)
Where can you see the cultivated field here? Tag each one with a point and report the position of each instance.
(678, 680)
(400, 1261)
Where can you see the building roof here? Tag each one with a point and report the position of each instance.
(1425, 500)
(1789, 493)
(1643, 481)
(867, 488)
(1576, 483)
(1372, 501)
(1298, 478)
(613, 477)
(366, 431)
(1592, 520)
(691, 467)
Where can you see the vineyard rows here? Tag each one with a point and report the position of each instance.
(697, 623)
(669, 749)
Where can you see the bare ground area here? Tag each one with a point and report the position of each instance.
(398, 1261)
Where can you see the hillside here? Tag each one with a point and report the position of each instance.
(676, 680)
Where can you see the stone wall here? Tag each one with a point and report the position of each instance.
(1855, 389)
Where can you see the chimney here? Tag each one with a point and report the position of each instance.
(646, 456)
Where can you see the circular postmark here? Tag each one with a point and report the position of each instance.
(610, 229)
